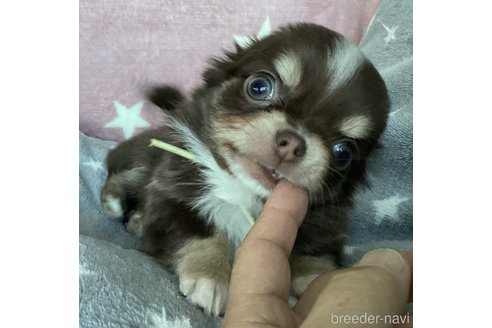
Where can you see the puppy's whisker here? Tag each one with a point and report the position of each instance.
(335, 171)
(345, 178)
(247, 121)
(326, 187)
(188, 184)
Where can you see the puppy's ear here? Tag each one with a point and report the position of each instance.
(222, 68)
(165, 96)
(219, 71)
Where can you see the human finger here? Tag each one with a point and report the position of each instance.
(376, 287)
(281, 217)
(408, 256)
(260, 280)
(262, 259)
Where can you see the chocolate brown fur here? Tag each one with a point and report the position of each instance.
(322, 86)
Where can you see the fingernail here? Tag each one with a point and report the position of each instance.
(384, 258)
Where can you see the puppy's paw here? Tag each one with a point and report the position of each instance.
(112, 197)
(135, 224)
(208, 293)
(204, 272)
(305, 269)
(300, 283)
(112, 205)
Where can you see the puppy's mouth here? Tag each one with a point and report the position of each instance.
(271, 173)
(268, 176)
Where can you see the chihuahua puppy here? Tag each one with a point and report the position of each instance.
(302, 104)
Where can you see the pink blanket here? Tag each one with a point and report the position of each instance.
(128, 45)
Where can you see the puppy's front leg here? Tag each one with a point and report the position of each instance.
(304, 269)
(204, 270)
(177, 238)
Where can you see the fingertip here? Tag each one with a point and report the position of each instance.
(280, 218)
(285, 186)
(290, 198)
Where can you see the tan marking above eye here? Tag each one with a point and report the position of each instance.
(356, 127)
(343, 62)
(289, 69)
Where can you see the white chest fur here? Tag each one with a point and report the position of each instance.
(221, 203)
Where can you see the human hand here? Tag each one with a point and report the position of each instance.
(373, 293)
(260, 282)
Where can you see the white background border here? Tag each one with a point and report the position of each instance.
(39, 163)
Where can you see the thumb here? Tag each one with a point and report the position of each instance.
(394, 263)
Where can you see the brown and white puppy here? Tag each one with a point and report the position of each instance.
(304, 105)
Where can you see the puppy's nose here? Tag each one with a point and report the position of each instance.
(291, 147)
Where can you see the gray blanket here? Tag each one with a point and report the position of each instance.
(121, 287)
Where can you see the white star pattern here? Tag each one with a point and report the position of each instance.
(128, 119)
(391, 32)
(159, 320)
(84, 270)
(394, 112)
(94, 164)
(388, 208)
(245, 41)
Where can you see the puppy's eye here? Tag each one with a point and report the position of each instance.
(343, 152)
(260, 87)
